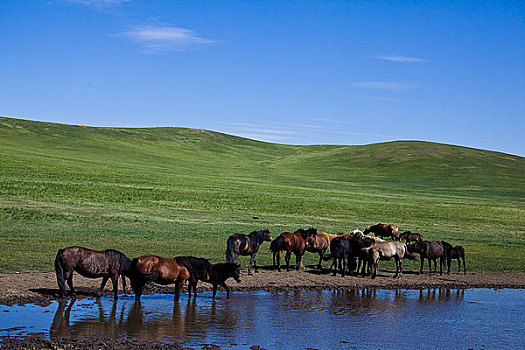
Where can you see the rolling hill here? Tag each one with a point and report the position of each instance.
(175, 191)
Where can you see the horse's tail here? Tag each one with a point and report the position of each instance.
(276, 244)
(59, 269)
(230, 250)
(408, 255)
(137, 275)
(117, 258)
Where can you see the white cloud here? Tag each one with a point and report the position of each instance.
(400, 59)
(384, 85)
(98, 2)
(165, 38)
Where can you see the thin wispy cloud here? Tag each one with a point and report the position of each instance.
(400, 59)
(384, 85)
(98, 2)
(165, 38)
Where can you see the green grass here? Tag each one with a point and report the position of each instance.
(172, 191)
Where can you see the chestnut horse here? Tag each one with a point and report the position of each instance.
(457, 252)
(319, 244)
(201, 269)
(240, 244)
(90, 263)
(153, 268)
(410, 237)
(292, 242)
(383, 230)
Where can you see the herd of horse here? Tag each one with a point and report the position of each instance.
(348, 252)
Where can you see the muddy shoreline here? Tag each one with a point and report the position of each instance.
(41, 288)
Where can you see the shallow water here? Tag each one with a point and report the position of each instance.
(296, 319)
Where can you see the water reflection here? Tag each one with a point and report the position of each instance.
(274, 319)
(140, 320)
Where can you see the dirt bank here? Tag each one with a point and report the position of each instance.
(38, 287)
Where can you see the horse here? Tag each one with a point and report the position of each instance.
(410, 237)
(357, 243)
(108, 264)
(240, 244)
(201, 269)
(457, 252)
(387, 251)
(319, 244)
(292, 242)
(383, 230)
(153, 268)
(339, 251)
(431, 251)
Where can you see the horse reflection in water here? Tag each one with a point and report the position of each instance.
(138, 320)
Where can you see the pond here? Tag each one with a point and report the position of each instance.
(295, 319)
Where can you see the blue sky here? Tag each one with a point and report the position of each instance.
(294, 72)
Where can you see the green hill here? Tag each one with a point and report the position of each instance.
(172, 191)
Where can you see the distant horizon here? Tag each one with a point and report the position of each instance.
(277, 143)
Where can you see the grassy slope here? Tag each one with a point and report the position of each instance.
(173, 191)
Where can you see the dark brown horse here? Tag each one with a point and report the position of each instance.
(339, 253)
(431, 251)
(383, 230)
(201, 269)
(457, 252)
(291, 242)
(240, 244)
(153, 268)
(410, 237)
(319, 243)
(105, 264)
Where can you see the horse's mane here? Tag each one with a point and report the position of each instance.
(193, 264)
(260, 233)
(118, 258)
(446, 244)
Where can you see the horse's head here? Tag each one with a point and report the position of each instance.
(310, 242)
(237, 273)
(367, 230)
(267, 236)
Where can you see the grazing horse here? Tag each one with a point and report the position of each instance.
(153, 268)
(457, 252)
(339, 252)
(319, 244)
(431, 251)
(387, 251)
(90, 263)
(292, 242)
(240, 244)
(410, 237)
(383, 230)
(201, 269)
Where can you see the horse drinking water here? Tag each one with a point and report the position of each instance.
(108, 264)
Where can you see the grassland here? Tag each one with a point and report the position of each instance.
(173, 191)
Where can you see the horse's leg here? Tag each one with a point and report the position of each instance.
(69, 279)
(178, 288)
(252, 261)
(214, 290)
(422, 262)
(287, 259)
(279, 261)
(464, 268)
(441, 261)
(319, 266)
(298, 260)
(430, 266)
(114, 280)
(345, 260)
(400, 267)
(102, 285)
(124, 284)
(227, 290)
